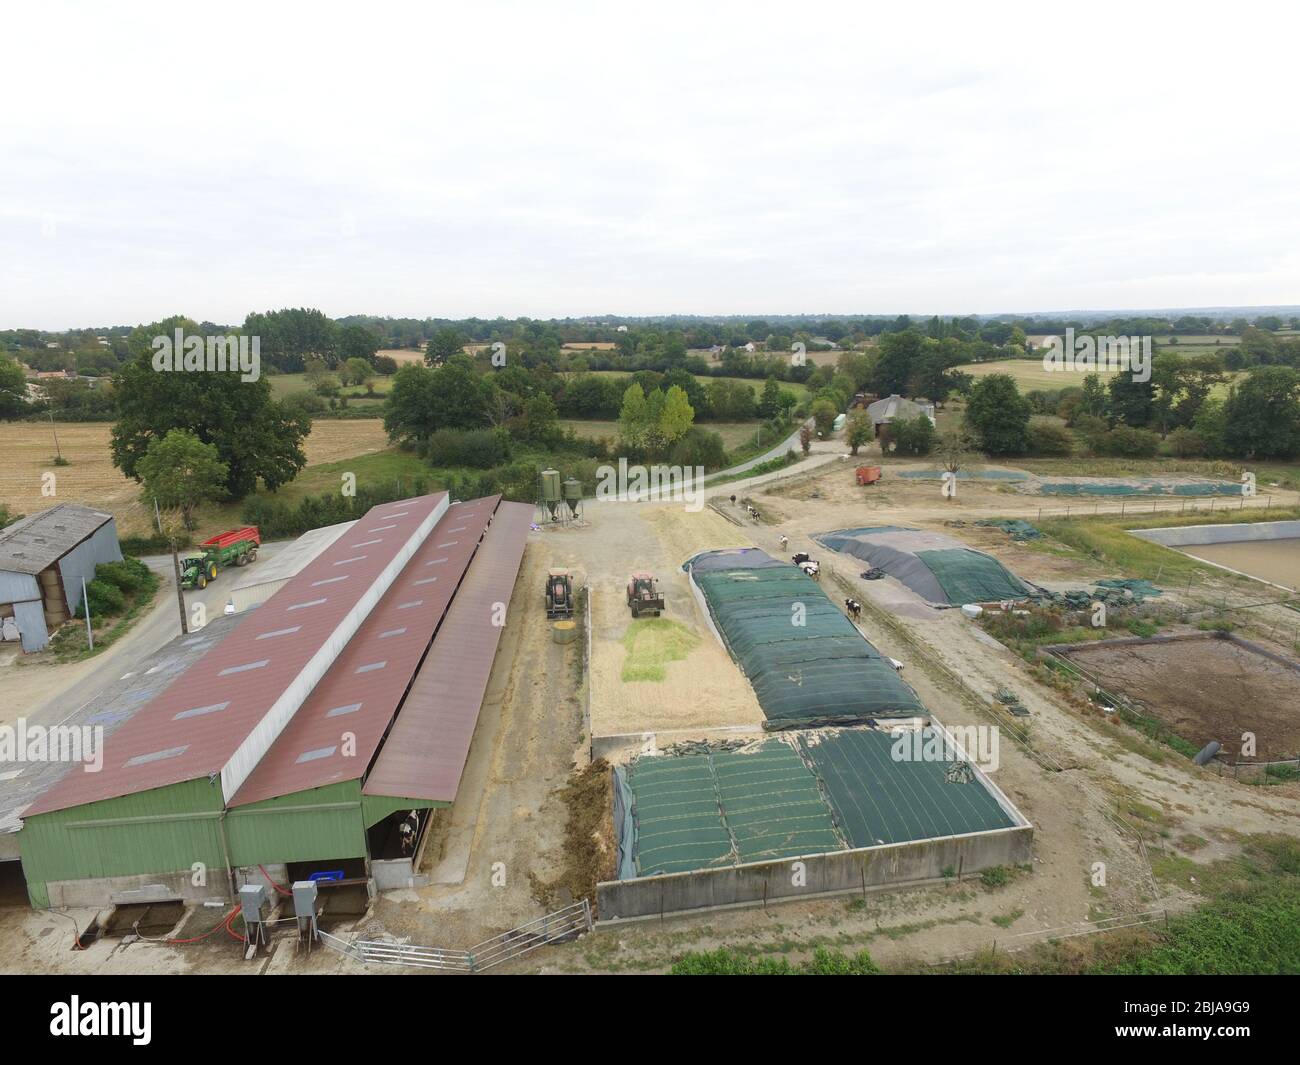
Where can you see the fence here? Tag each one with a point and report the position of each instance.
(985, 705)
(563, 924)
(1284, 769)
(1137, 508)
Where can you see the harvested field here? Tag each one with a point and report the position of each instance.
(1207, 689)
(93, 480)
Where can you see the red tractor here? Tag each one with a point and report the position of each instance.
(644, 596)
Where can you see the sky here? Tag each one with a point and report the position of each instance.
(561, 159)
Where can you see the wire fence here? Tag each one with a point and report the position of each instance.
(1138, 508)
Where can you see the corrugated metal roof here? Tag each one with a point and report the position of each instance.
(335, 733)
(111, 708)
(425, 752)
(261, 681)
(31, 544)
(293, 558)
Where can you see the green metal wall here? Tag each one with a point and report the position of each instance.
(163, 830)
(167, 830)
(302, 827)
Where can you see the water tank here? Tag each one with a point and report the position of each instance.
(551, 486)
(572, 489)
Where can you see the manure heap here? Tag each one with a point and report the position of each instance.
(808, 663)
(942, 571)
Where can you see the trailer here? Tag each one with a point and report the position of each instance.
(235, 547)
(868, 474)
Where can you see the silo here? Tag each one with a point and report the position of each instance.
(551, 491)
(573, 495)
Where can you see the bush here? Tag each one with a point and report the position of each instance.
(1187, 444)
(699, 447)
(306, 402)
(481, 449)
(385, 365)
(1047, 438)
(912, 436)
(105, 600)
(1126, 442)
(129, 576)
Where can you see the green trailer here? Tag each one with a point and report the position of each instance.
(237, 547)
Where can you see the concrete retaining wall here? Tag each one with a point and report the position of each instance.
(1242, 532)
(835, 873)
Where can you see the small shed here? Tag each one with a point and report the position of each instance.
(43, 559)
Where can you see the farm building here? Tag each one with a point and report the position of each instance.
(305, 738)
(885, 411)
(942, 571)
(264, 580)
(43, 560)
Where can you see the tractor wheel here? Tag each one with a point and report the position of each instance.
(212, 571)
(202, 581)
(252, 555)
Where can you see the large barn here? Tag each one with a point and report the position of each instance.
(304, 732)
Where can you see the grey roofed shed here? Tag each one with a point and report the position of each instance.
(33, 543)
(68, 540)
(886, 410)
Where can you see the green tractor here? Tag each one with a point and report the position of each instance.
(238, 547)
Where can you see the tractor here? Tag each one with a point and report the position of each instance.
(238, 547)
(559, 594)
(644, 596)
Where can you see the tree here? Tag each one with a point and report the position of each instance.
(858, 431)
(769, 406)
(1262, 414)
(999, 415)
(422, 400)
(633, 417)
(180, 470)
(445, 343)
(899, 353)
(957, 448)
(358, 371)
(676, 417)
(824, 413)
(255, 436)
(805, 439)
(13, 388)
(357, 342)
(1132, 401)
(912, 436)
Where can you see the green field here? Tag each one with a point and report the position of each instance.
(287, 384)
(734, 434)
(1030, 375)
(798, 388)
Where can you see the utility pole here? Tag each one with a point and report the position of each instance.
(157, 517)
(85, 598)
(180, 596)
(57, 450)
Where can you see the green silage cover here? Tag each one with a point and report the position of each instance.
(727, 807)
(808, 663)
(971, 576)
(880, 799)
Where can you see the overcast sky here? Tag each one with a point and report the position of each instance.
(554, 159)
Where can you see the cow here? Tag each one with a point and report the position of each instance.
(854, 608)
(785, 540)
(407, 830)
(812, 569)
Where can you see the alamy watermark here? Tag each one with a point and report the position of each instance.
(198, 354)
(21, 743)
(1089, 354)
(651, 484)
(977, 745)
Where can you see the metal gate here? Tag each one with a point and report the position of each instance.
(564, 924)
